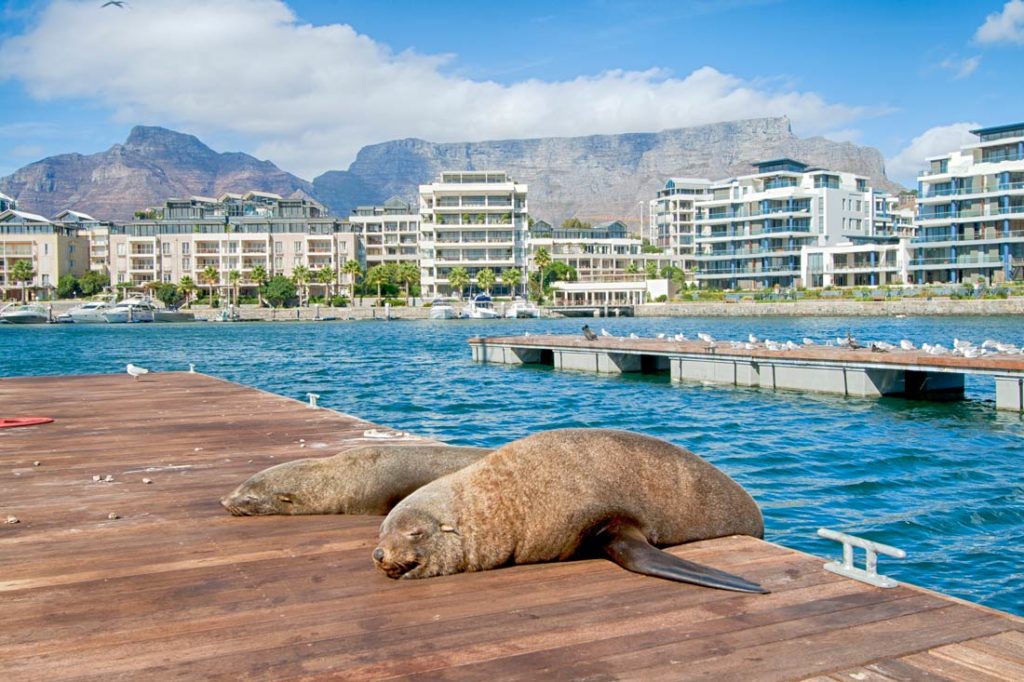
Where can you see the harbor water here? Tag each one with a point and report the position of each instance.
(943, 481)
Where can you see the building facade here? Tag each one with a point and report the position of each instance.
(386, 234)
(750, 230)
(473, 220)
(971, 212)
(52, 248)
(602, 252)
(673, 218)
(234, 233)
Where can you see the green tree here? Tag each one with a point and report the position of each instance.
(575, 223)
(561, 272)
(651, 270)
(486, 278)
(211, 276)
(279, 290)
(93, 282)
(169, 295)
(235, 278)
(543, 259)
(409, 276)
(511, 277)
(353, 270)
(458, 278)
(377, 276)
(648, 247)
(328, 277)
(632, 268)
(67, 286)
(300, 275)
(23, 273)
(188, 287)
(258, 276)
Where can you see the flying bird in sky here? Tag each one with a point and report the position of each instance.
(115, 3)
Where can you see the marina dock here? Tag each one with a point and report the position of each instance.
(176, 587)
(817, 369)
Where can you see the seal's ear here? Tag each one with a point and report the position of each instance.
(445, 528)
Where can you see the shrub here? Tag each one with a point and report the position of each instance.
(339, 301)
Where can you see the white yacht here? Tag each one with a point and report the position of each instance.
(90, 313)
(32, 313)
(481, 308)
(172, 315)
(442, 309)
(520, 307)
(131, 310)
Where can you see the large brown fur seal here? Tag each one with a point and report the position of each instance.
(565, 493)
(366, 480)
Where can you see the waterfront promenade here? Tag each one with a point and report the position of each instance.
(175, 587)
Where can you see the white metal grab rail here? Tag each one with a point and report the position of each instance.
(869, 574)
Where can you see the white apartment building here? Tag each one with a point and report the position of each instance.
(602, 252)
(96, 231)
(750, 230)
(673, 218)
(231, 233)
(474, 220)
(386, 234)
(52, 248)
(971, 211)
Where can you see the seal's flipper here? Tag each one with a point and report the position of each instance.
(626, 545)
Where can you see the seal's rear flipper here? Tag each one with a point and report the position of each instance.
(626, 545)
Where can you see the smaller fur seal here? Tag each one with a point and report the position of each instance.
(567, 493)
(366, 480)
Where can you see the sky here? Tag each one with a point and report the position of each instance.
(306, 84)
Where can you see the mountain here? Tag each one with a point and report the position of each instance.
(598, 177)
(152, 165)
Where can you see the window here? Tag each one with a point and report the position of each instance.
(298, 247)
(278, 247)
(186, 248)
(45, 280)
(121, 250)
(186, 263)
(278, 262)
(167, 248)
(46, 249)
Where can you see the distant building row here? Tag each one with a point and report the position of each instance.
(786, 224)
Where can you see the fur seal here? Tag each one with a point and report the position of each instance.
(366, 480)
(566, 493)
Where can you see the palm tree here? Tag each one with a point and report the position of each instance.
(632, 268)
(22, 272)
(211, 276)
(651, 270)
(543, 259)
(377, 276)
(188, 287)
(511, 278)
(353, 270)
(300, 275)
(235, 277)
(259, 277)
(328, 277)
(458, 278)
(408, 274)
(486, 278)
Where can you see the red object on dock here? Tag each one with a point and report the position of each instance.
(11, 422)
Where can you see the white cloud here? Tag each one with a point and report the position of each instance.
(308, 97)
(1006, 26)
(961, 68)
(905, 166)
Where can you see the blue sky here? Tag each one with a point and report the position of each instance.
(306, 84)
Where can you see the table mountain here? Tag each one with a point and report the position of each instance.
(152, 165)
(598, 177)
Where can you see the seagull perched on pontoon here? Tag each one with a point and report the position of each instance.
(605, 332)
(706, 338)
(907, 344)
(633, 335)
(135, 371)
(808, 341)
(588, 334)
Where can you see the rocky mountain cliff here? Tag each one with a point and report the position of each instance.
(599, 177)
(152, 165)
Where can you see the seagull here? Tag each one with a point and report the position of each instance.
(706, 338)
(135, 371)
(115, 3)
(808, 341)
(790, 345)
(961, 344)
(906, 344)
(680, 337)
(633, 336)
(753, 339)
(588, 334)
(605, 332)
(661, 335)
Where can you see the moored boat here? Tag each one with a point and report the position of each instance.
(91, 312)
(31, 313)
(442, 309)
(172, 315)
(131, 310)
(481, 308)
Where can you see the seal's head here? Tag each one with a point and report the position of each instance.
(277, 490)
(415, 544)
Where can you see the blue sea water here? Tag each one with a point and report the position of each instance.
(944, 481)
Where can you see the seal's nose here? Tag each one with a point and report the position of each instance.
(378, 554)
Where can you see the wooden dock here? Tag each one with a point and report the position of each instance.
(816, 369)
(177, 588)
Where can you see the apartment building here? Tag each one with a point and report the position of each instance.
(474, 220)
(7, 203)
(672, 218)
(51, 247)
(971, 211)
(232, 233)
(750, 230)
(602, 252)
(386, 234)
(97, 232)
